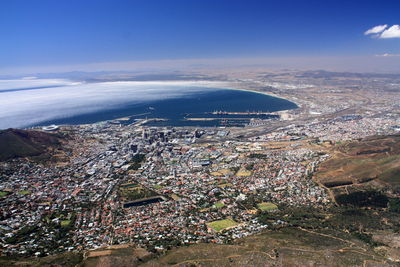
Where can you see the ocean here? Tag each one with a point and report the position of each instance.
(174, 104)
(190, 110)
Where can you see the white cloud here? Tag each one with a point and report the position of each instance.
(392, 32)
(376, 29)
(388, 55)
(383, 32)
(27, 84)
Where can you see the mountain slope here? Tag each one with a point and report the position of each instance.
(372, 163)
(15, 143)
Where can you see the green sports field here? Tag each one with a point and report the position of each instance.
(222, 224)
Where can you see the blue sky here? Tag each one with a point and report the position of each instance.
(70, 32)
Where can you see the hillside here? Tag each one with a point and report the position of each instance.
(15, 143)
(286, 247)
(369, 164)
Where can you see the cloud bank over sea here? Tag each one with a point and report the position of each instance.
(31, 101)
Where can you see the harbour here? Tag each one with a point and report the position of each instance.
(210, 107)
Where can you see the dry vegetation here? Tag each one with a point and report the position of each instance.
(286, 247)
(371, 163)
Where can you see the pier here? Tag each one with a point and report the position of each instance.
(241, 113)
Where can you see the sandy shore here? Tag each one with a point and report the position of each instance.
(237, 86)
(265, 93)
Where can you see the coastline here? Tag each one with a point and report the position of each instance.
(230, 85)
(266, 93)
(217, 85)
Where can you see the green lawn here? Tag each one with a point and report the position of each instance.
(3, 193)
(225, 185)
(24, 192)
(65, 223)
(219, 205)
(267, 206)
(157, 186)
(222, 224)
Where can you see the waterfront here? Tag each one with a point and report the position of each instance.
(192, 109)
(63, 102)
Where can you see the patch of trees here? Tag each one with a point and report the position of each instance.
(249, 167)
(394, 205)
(131, 195)
(364, 199)
(22, 234)
(136, 161)
(235, 169)
(367, 238)
(367, 152)
(354, 220)
(257, 156)
(337, 183)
